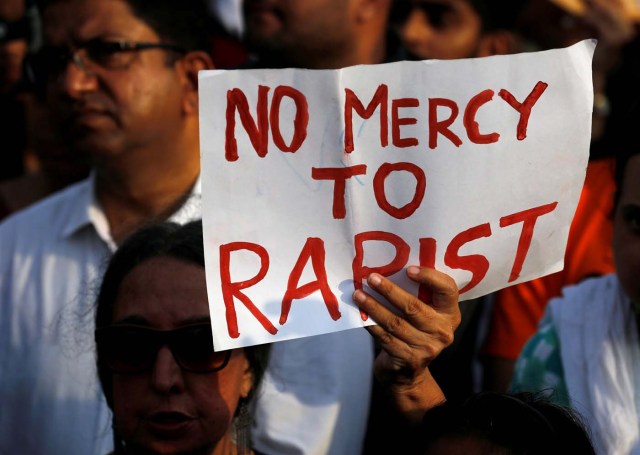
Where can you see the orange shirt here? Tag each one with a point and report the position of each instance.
(517, 309)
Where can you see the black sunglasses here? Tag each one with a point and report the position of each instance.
(134, 349)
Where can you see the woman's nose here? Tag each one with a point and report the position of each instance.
(167, 375)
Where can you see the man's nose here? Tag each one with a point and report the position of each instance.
(76, 78)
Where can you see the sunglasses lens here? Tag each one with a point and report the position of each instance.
(134, 349)
(127, 350)
(193, 349)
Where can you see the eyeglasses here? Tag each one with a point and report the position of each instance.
(133, 349)
(50, 61)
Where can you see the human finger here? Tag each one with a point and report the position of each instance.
(393, 327)
(441, 289)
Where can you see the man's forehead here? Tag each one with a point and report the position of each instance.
(67, 21)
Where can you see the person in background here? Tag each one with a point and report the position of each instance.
(34, 163)
(587, 348)
(453, 29)
(119, 81)
(317, 34)
(490, 423)
(15, 36)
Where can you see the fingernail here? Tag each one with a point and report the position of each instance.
(359, 296)
(413, 270)
(374, 279)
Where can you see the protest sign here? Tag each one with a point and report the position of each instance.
(313, 179)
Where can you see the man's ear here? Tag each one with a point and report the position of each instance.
(191, 64)
(497, 42)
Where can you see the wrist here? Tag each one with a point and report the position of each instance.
(414, 398)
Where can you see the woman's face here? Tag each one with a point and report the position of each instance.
(626, 231)
(167, 409)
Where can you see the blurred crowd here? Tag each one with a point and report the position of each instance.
(100, 189)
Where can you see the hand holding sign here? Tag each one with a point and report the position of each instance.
(413, 337)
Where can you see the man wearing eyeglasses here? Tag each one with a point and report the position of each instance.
(122, 93)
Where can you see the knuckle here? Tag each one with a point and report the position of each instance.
(394, 324)
(414, 307)
(446, 337)
(432, 351)
(385, 338)
(385, 288)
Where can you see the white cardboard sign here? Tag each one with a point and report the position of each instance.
(313, 179)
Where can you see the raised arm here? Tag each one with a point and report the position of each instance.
(411, 338)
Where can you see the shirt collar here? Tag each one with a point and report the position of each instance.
(81, 204)
(86, 211)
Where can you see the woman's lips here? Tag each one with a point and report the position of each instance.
(169, 425)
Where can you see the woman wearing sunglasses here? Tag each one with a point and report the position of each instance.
(171, 393)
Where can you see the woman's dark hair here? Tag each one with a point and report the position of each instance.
(520, 424)
(182, 242)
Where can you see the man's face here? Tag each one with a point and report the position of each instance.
(293, 28)
(106, 105)
(438, 29)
